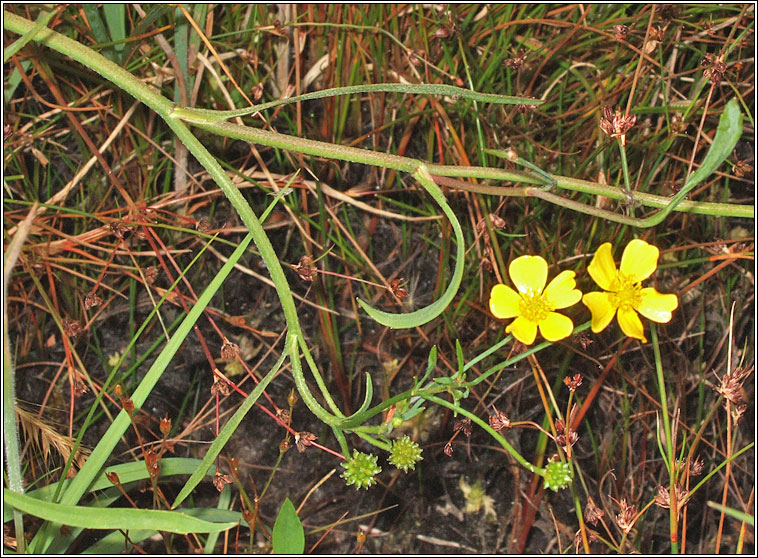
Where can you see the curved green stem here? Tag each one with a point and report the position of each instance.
(502, 441)
(428, 313)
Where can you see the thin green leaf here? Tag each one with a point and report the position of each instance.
(15, 80)
(208, 116)
(115, 19)
(226, 432)
(224, 500)
(113, 518)
(122, 422)
(42, 21)
(288, 536)
(96, 25)
(127, 472)
(731, 512)
(427, 314)
(727, 135)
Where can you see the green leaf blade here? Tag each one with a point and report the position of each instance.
(288, 536)
(113, 518)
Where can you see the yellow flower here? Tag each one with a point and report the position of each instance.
(533, 304)
(624, 293)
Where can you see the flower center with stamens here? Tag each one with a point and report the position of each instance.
(626, 292)
(534, 307)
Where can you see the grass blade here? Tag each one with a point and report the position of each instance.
(227, 431)
(103, 450)
(116, 518)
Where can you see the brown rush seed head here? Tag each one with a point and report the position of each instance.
(305, 268)
(564, 437)
(229, 350)
(219, 481)
(448, 450)
(151, 274)
(583, 340)
(153, 463)
(592, 514)
(741, 168)
(517, 61)
(304, 439)
(165, 426)
(219, 386)
(656, 33)
(663, 500)
(416, 57)
(92, 299)
(72, 328)
(203, 225)
(463, 425)
(625, 519)
(522, 108)
(499, 421)
(622, 32)
(574, 382)
(258, 91)
(715, 67)
(667, 12)
(591, 536)
(120, 229)
(615, 124)
(497, 221)
(397, 290)
(696, 467)
(733, 392)
(79, 388)
(285, 416)
(284, 445)
(113, 477)
(445, 32)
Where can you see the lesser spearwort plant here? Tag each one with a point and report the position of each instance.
(533, 302)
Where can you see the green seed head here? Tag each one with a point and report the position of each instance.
(405, 454)
(557, 475)
(360, 470)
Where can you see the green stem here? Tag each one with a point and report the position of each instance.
(669, 457)
(407, 164)
(627, 183)
(205, 116)
(509, 448)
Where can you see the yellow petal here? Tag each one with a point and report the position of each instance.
(602, 267)
(504, 302)
(556, 327)
(561, 292)
(630, 324)
(601, 308)
(657, 306)
(639, 259)
(524, 330)
(529, 274)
